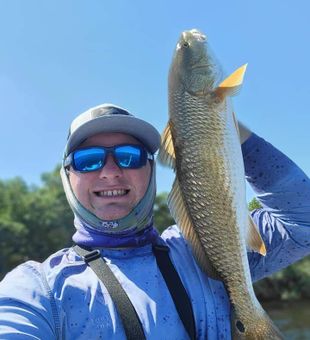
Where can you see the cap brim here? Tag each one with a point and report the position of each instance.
(130, 125)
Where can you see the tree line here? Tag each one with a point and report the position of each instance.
(36, 221)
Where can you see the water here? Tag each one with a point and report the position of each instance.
(292, 318)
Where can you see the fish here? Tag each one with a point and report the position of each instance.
(201, 143)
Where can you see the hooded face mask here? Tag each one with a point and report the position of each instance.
(136, 227)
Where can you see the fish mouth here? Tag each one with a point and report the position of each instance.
(195, 33)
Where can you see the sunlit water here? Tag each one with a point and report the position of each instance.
(292, 318)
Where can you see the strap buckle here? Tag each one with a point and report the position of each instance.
(93, 255)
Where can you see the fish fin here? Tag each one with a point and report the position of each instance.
(179, 213)
(236, 123)
(254, 239)
(166, 155)
(232, 84)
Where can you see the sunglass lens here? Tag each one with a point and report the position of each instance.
(90, 159)
(129, 156)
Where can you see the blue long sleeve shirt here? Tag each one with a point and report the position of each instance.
(62, 298)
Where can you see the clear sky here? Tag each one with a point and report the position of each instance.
(58, 58)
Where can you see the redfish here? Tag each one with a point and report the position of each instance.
(201, 143)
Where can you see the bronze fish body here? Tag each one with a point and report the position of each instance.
(201, 143)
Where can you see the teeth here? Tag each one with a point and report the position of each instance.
(110, 193)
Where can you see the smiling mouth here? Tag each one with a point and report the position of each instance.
(111, 193)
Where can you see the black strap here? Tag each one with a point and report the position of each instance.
(128, 314)
(178, 293)
(131, 322)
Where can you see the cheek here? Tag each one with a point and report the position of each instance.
(74, 181)
(79, 186)
(142, 179)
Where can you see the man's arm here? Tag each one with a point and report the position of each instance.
(26, 305)
(283, 189)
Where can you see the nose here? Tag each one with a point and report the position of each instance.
(110, 169)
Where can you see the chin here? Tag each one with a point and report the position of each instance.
(113, 211)
(112, 216)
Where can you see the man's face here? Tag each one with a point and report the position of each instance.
(129, 185)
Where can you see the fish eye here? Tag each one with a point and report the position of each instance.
(185, 44)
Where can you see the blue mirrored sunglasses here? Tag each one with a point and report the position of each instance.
(127, 156)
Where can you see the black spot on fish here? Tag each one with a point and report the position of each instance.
(240, 326)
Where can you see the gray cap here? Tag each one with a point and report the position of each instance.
(111, 118)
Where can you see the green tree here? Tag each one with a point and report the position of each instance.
(13, 232)
(49, 217)
(291, 283)
(254, 204)
(162, 217)
(34, 222)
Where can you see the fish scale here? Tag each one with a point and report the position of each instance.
(212, 170)
(201, 144)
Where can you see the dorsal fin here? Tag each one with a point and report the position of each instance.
(179, 213)
(254, 239)
(166, 155)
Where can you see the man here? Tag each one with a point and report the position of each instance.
(108, 175)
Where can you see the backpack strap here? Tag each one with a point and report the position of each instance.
(177, 291)
(131, 322)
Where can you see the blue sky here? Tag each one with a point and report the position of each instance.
(58, 58)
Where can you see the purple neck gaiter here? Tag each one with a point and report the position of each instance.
(87, 236)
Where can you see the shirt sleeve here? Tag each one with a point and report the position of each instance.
(283, 190)
(26, 308)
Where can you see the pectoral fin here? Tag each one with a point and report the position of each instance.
(166, 155)
(179, 213)
(232, 84)
(254, 240)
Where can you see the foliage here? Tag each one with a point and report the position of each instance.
(292, 283)
(162, 217)
(254, 204)
(34, 222)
